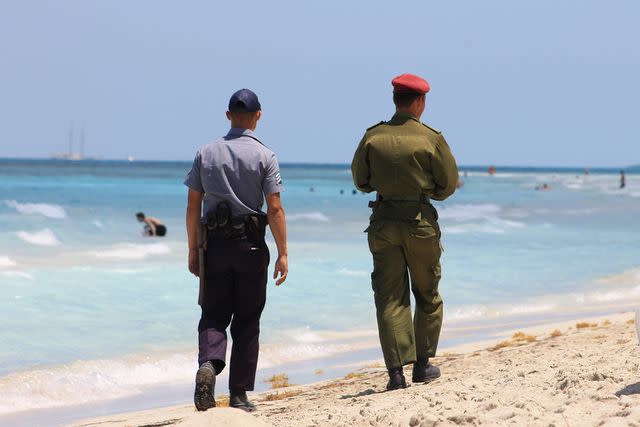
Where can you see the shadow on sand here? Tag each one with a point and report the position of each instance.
(629, 390)
(366, 392)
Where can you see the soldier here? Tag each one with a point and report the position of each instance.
(230, 176)
(407, 163)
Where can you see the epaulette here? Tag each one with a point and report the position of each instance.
(377, 124)
(432, 129)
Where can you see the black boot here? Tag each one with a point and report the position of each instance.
(396, 379)
(423, 371)
(239, 399)
(205, 387)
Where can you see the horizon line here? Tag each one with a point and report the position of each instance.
(306, 163)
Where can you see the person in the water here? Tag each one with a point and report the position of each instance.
(152, 226)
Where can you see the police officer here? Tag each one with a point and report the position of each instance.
(407, 163)
(227, 182)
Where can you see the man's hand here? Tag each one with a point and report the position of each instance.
(282, 267)
(194, 262)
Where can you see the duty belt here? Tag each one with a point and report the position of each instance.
(222, 226)
(422, 198)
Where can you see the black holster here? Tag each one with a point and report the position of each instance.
(222, 226)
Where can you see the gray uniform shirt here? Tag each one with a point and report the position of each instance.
(235, 168)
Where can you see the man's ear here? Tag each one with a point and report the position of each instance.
(258, 115)
(229, 115)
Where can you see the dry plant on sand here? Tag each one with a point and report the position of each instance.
(555, 333)
(582, 325)
(353, 375)
(278, 381)
(519, 338)
(279, 395)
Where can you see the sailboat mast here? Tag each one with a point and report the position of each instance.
(71, 140)
(82, 141)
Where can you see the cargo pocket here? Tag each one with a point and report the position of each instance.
(373, 231)
(424, 230)
(437, 274)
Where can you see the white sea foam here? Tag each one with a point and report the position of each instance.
(353, 273)
(129, 251)
(6, 262)
(308, 217)
(84, 382)
(479, 218)
(17, 274)
(50, 211)
(44, 237)
(88, 381)
(492, 226)
(469, 212)
(98, 223)
(530, 309)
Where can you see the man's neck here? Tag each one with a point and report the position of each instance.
(244, 125)
(410, 111)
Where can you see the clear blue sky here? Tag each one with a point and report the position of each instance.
(513, 83)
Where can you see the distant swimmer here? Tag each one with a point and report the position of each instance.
(152, 226)
(622, 180)
(341, 191)
(543, 187)
(492, 170)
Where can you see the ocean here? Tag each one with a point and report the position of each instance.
(93, 312)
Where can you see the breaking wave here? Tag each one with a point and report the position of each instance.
(5, 262)
(50, 211)
(16, 274)
(129, 251)
(89, 381)
(308, 217)
(44, 237)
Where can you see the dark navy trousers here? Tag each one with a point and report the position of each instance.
(235, 293)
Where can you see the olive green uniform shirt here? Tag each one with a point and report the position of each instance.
(407, 163)
(404, 158)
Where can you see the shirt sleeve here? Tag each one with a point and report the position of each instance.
(193, 179)
(272, 182)
(360, 167)
(445, 170)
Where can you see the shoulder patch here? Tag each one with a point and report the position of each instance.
(377, 124)
(431, 129)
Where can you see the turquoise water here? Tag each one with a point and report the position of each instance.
(91, 309)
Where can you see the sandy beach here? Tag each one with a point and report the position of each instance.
(583, 373)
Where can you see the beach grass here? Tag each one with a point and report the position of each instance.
(279, 395)
(582, 325)
(278, 381)
(353, 375)
(517, 339)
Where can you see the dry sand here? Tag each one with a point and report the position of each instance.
(587, 376)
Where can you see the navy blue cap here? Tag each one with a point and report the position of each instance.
(244, 101)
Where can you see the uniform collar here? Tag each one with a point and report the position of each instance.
(402, 117)
(237, 132)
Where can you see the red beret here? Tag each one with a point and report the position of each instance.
(410, 83)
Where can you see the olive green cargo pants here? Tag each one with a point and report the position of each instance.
(403, 249)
